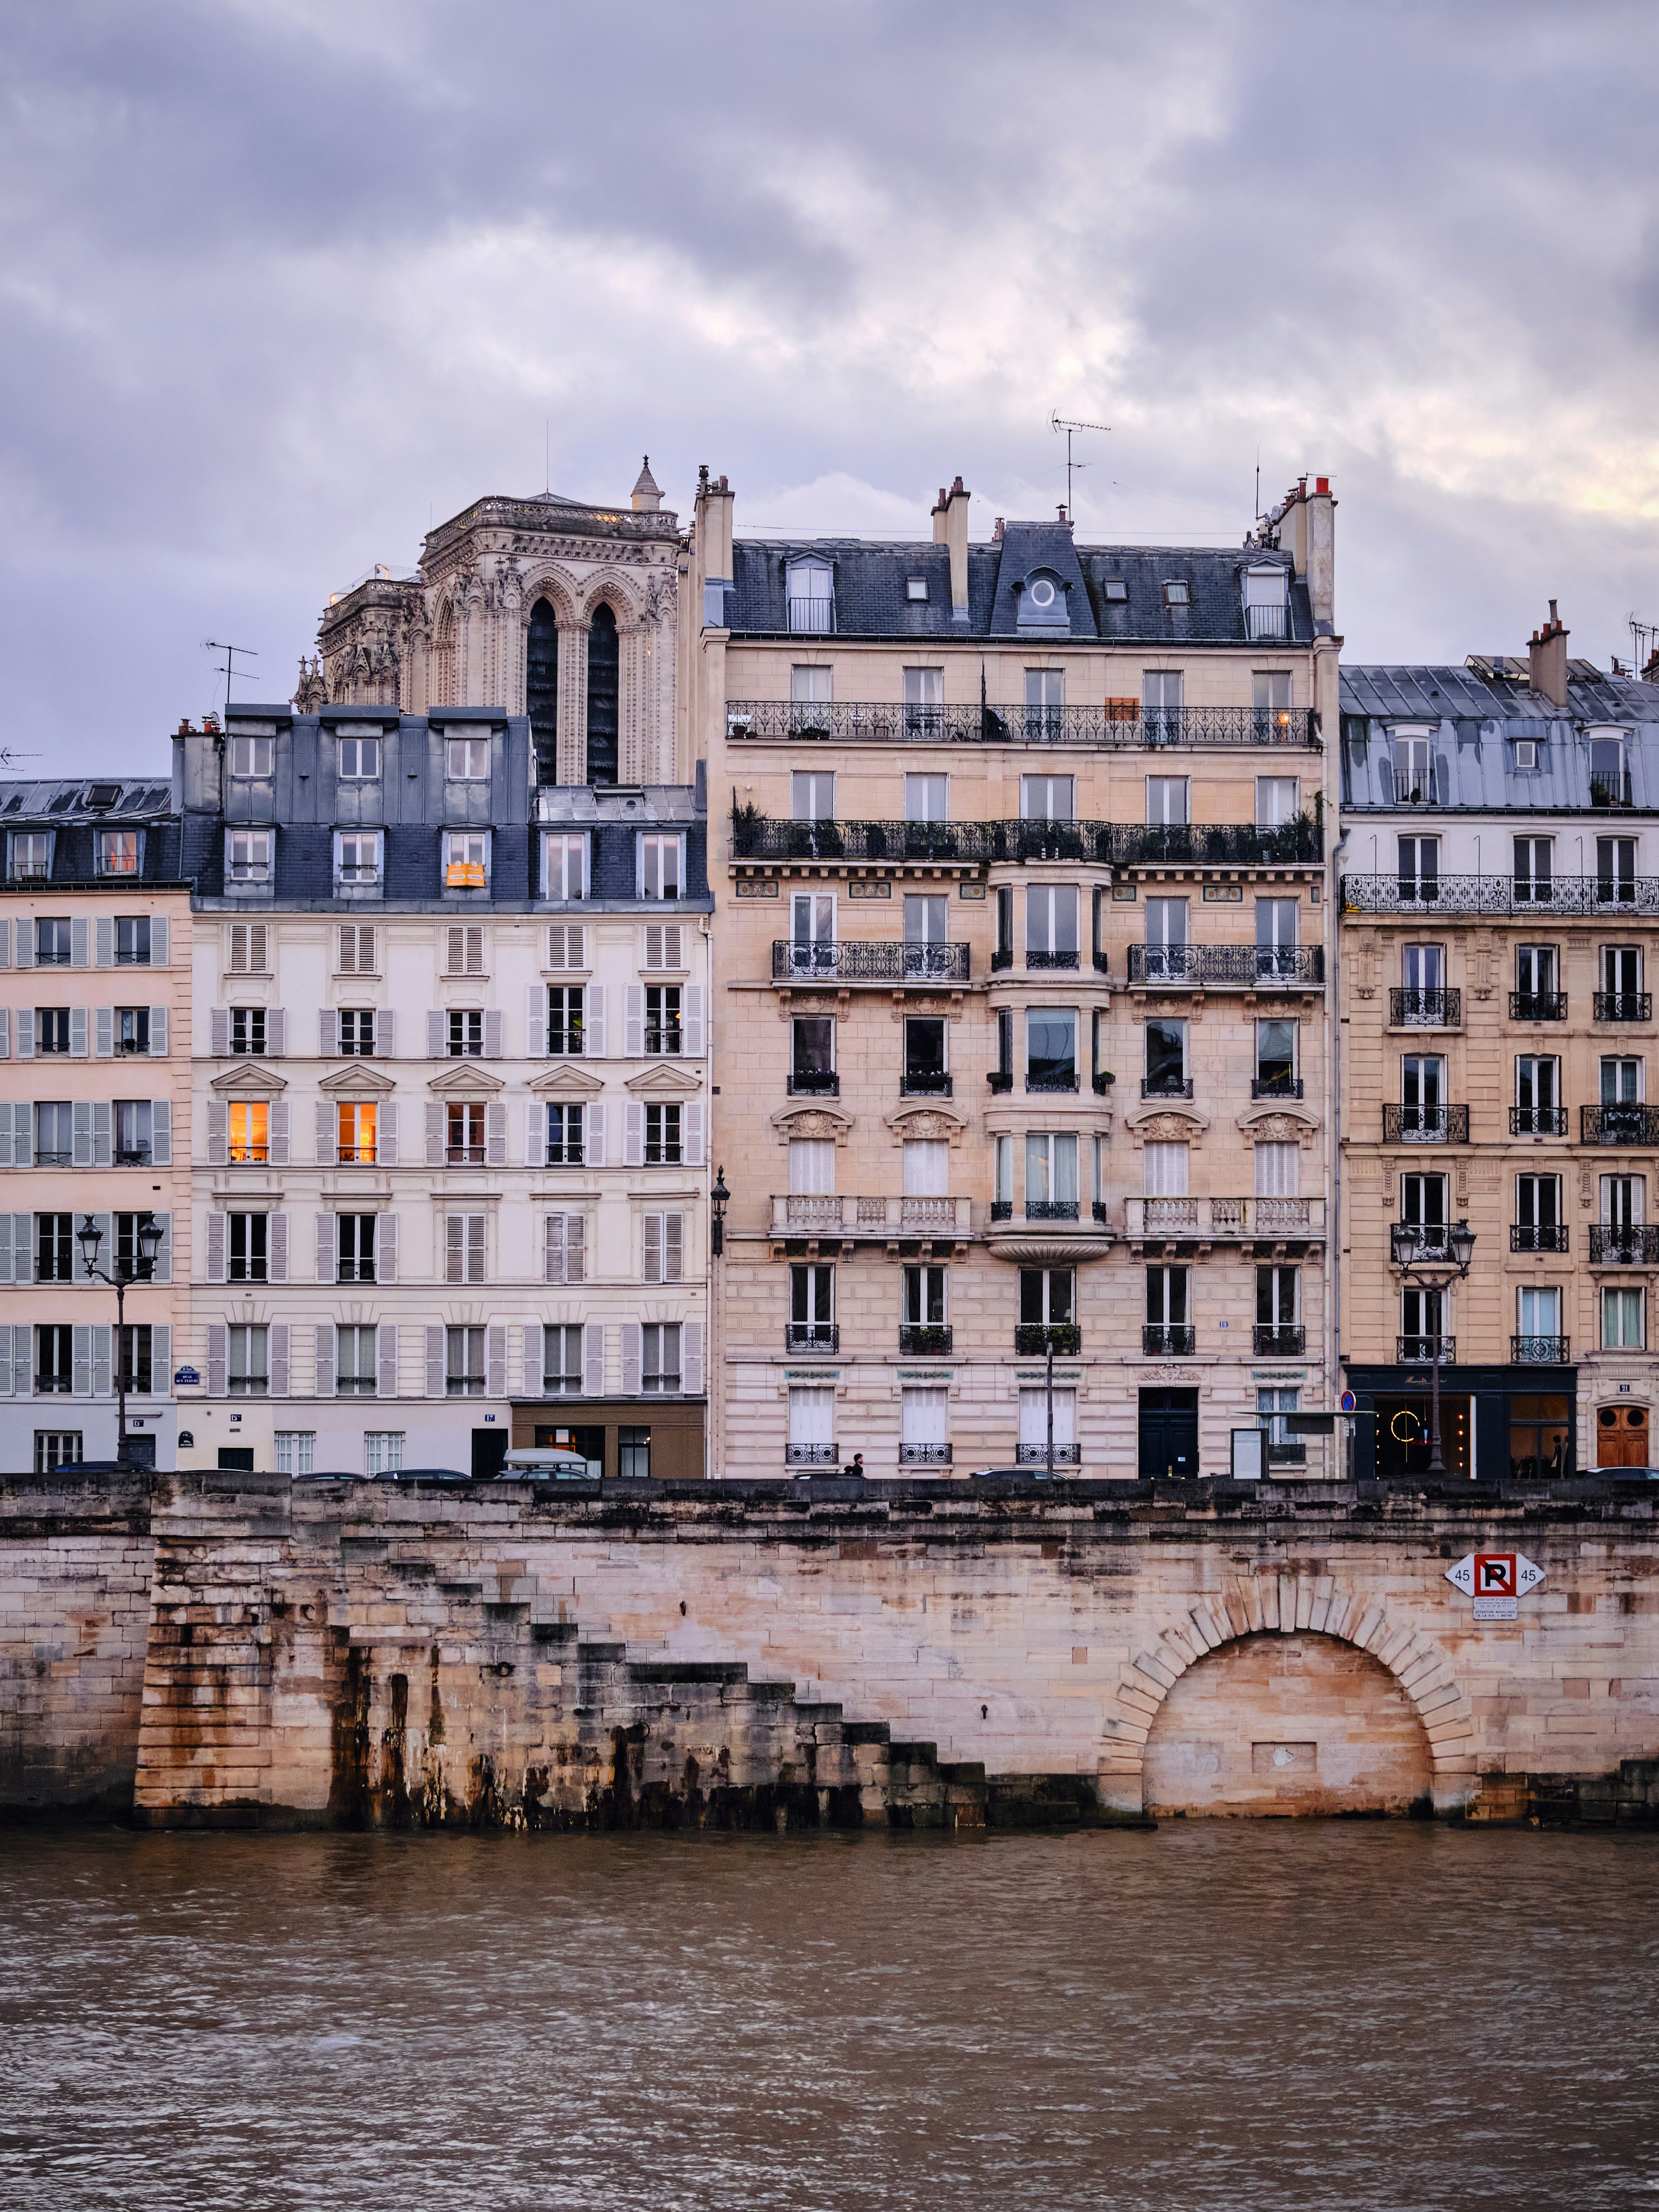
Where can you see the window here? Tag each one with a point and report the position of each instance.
(1615, 870)
(1537, 1094)
(811, 796)
(248, 1257)
(355, 1130)
(1176, 594)
(51, 1029)
(811, 687)
(356, 946)
(1609, 784)
(1034, 1427)
(1278, 801)
(118, 852)
(924, 696)
(811, 1166)
(662, 1135)
(924, 1425)
(565, 1247)
(812, 1054)
(561, 1360)
(1046, 1297)
(31, 855)
(1541, 1437)
(633, 1454)
(466, 760)
(564, 1136)
(925, 1297)
(128, 1257)
(466, 1028)
(664, 1247)
(1538, 1211)
(927, 918)
(295, 1450)
(463, 1363)
(1419, 867)
(464, 1248)
(354, 1360)
(604, 696)
(132, 941)
(915, 587)
(54, 1359)
(1277, 934)
(1051, 926)
(356, 1032)
(1165, 1169)
(811, 1305)
(1620, 998)
(662, 1019)
(1047, 799)
(55, 1447)
(1005, 1068)
(356, 858)
(383, 1451)
(1622, 1082)
(1624, 1200)
(1166, 1059)
(1051, 1049)
(464, 1146)
(1533, 870)
(247, 1371)
(248, 1129)
(1161, 699)
(54, 1133)
(1275, 1060)
(661, 1369)
(1167, 799)
(248, 856)
(466, 860)
(354, 1239)
(248, 1029)
(1278, 1170)
(924, 1056)
(1270, 696)
(1622, 1321)
(1422, 1318)
(54, 1248)
(251, 757)
(1423, 975)
(564, 864)
(564, 1020)
(1422, 1207)
(1116, 591)
(53, 944)
(1167, 1307)
(1283, 1448)
(1051, 1187)
(927, 797)
(1166, 937)
(1535, 971)
(1414, 772)
(357, 758)
(809, 592)
(131, 1029)
(1002, 1178)
(137, 1364)
(1045, 688)
(1278, 1311)
(926, 1170)
(134, 1127)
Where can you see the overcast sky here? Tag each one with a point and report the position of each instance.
(286, 281)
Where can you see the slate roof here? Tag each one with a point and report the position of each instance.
(75, 810)
(1432, 694)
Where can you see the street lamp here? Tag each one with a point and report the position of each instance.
(719, 1198)
(141, 1268)
(1432, 1267)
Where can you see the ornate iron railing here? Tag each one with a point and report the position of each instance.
(1168, 1339)
(864, 961)
(1034, 1338)
(811, 1455)
(1539, 1351)
(811, 1336)
(1527, 898)
(1270, 1086)
(1002, 1209)
(1216, 843)
(766, 837)
(1426, 1125)
(814, 1083)
(1539, 1236)
(1159, 1087)
(930, 1339)
(1051, 1209)
(854, 721)
(1254, 966)
(1537, 1121)
(926, 1082)
(1428, 1010)
(1623, 1006)
(1538, 1005)
(1056, 1081)
(1624, 1244)
(1280, 1339)
(1413, 1349)
(1038, 1455)
(924, 1454)
(1035, 961)
(1619, 1125)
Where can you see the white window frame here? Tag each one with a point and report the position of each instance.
(250, 760)
(252, 869)
(456, 854)
(296, 1450)
(108, 836)
(358, 841)
(569, 845)
(356, 773)
(654, 845)
(466, 760)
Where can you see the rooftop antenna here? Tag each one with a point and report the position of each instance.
(1058, 421)
(230, 652)
(1644, 641)
(1258, 483)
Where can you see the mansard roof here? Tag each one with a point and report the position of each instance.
(1494, 688)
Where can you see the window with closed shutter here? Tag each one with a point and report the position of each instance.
(466, 950)
(665, 1240)
(464, 1248)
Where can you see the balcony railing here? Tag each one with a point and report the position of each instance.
(814, 1083)
(1426, 1125)
(1425, 1010)
(1002, 959)
(811, 1336)
(813, 617)
(863, 722)
(1619, 1125)
(1173, 1340)
(1002, 1209)
(1001, 1079)
(1538, 1005)
(1217, 843)
(924, 1454)
(1050, 1079)
(1252, 966)
(765, 837)
(1162, 1086)
(1225, 1217)
(1034, 1340)
(924, 1083)
(1051, 1209)
(1038, 1455)
(811, 1455)
(1537, 1121)
(864, 962)
(1036, 960)
(930, 1339)
(1539, 1351)
(815, 1214)
(1279, 1340)
(1524, 896)
(1623, 1006)
(1276, 1086)
(1538, 1237)
(1624, 1244)
(1410, 1349)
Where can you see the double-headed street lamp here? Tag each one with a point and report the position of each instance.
(1434, 1267)
(140, 1268)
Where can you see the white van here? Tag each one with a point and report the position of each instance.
(551, 1464)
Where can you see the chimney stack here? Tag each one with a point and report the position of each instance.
(714, 538)
(955, 536)
(940, 511)
(1547, 658)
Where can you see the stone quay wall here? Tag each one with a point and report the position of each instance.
(226, 1649)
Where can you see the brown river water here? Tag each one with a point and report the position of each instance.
(1212, 2015)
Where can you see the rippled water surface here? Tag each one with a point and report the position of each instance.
(1207, 2016)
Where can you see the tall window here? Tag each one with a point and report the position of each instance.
(1168, 1327)
(54, 1360)
(1161, 699)
(295, 1450)
(1051, 1189)
(248, 856)
(1051, 937)
(662, 873)
(565, 859)
(1051, 1049)
(663, 1033)
(466, 760)
(925, 1297)
(356, 1032)
(1419, 867)
(54, 1133)
(1275, 1060)
(1414, 772)
(31, 855)
(355, 1238)
(1533, 870)
(1045, 701)
(251, 757)
(808, 591)
(54, 1248)
(132, 940)
(1047, 799)
(812, 1054)
(383, 1451)
(357, 758)
(1422, 1207)
(927, 797)
(542, 688)
(811, 1305)
(662, 1135)
(463, 1363)
(249, 1130)
(1622, 1324)
(1422, 1318)
(603, 680)
(1538, 1312)
(118, 852)
(357, 858)
(1166, 1059)
(1047, 1297)
(660, 1362)
(924, 1055)
(466, 1029)
(1615, 871)
(1537, 1094)
(564, 1136)
(464, 1144)
(1278, 1311)
(1621, 984)
(356, 1128)
(812, 795)
(1270, 696)
(466, 860)
(1165, 1169)
(1166, 800)
(137, 1366)
(1536, 969)
(1278, 800)
(354, 1360)
(53, 941)
(248, 1256)
(564, 1020)
(247, 1369)
(561, 1360)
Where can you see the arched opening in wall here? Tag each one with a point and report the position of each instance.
(1276, 1725)
(541, 689)
(603, 686)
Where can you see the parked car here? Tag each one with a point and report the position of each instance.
(545, 1465)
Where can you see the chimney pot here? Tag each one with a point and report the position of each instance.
(1554, 618)
(996, 531)
(1322, 487)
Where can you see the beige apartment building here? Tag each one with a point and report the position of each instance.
(1021, 950)
(94, 1118)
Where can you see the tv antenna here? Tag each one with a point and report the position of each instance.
(230, 652)
(1645, 642)
(1058, 421)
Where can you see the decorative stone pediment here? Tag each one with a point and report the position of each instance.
(1166, 1122)
(1271, 1123)
(249, 1077)
(567, 1080)
(357, 1082)
(927, 1121)
(819, 1121)
(664, 1080)
(466, 1079)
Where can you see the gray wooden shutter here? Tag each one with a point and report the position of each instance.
(553, 1248)
(5, 1033)
(632, 1134)
(535, 1134)
(634, 1020)
(103, 1134)
(277, 1247)
(277, 1130)
(324, 1360)
(454, 1248)
(436, 1028)
(5, 943)
(594, 1021)
(26, 941)
(693, 1119)
(633, 1358)
(386, 1034)
(280, 1368)
(218, 1133)
(218, 1357)
(535, 1021)
(673, 1247)
(328, 1032)
(496, 1360)
(103, 1380)
(8, 1224)
(81, 1120)
(77, 1033)
(435, 1135)
(8, 1126)
(80, 950)
(81, 1359)
(594, 1130)
(164, 1251)
(7, 1382)
(691, 1359)
(693, 1023)
(104, 941)
(328, 1124)
(434, 1363)
(654, 1248)
(475, 1248)
(25, 1032)
(492, 1033)
(159, 953)
(216, 1247)
(495, 1134)
(385, 1247)
(327, 1255)
(103, 1034)
(160, 1360)
(158, 1032)
(385, 1359)
(593, 1359)
(575, 1248)
(534, 1371)
(219, 1032)
(160, 1133)
(385, 1133)
(276, 1031)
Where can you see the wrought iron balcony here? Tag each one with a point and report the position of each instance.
(1239, 844)
(860, 961)
(1002, 959)
(1524, 896)
(1127, 728)
(813, 1213)
(1222, 1217)
(1001, 1079)
(1173, 1340)
(764, 837)
(1413, 1349)
(1002, 1209)
(1158, 1086)
(1624, 1244)
(1034, 1340)
(1425, 1010)
(1539, 1351)
(1622, 1124)
(1623, 1006)
(1035, 961)
(1051, 1209)
(1610, 790)
(924, 1454)
(1537, 1121)
(929, 1340)
(1273, 1086)
(1279, 1340)
(811, 1336)
(1536, 1237)
(924, 1083)
(1538, 1005)
(1038, 1455)
(814, 1083)
(1254, 967)
(811, 1455)
(1059, 1079)
(1426, 1125)
(1101, 1213)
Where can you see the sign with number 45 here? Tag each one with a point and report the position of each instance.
(1496, 1581)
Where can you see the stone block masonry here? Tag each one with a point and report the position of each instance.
(492, 1654)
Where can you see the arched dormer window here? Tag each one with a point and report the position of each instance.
(1042, 608)
(603, 682)
(809, 590)
(542, 688)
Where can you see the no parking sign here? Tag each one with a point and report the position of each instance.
(1496, 1581)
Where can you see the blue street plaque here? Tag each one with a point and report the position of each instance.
(186, 1378)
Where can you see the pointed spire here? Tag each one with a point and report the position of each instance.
(648, 495)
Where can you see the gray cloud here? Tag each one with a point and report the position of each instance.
(282, 281)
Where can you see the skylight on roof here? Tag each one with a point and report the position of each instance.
(915, 587)
(1177, 595)
(1115, 591)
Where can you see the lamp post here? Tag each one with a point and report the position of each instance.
(719, 1199)
(1409, 1251)
(140, 1269)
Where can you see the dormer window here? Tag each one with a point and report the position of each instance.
(252, 756)
(915, 587)
(1177, 594)
(1266, 602)
(809, 588)
(358, 758)
(1042, 604)
(1115, 592)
